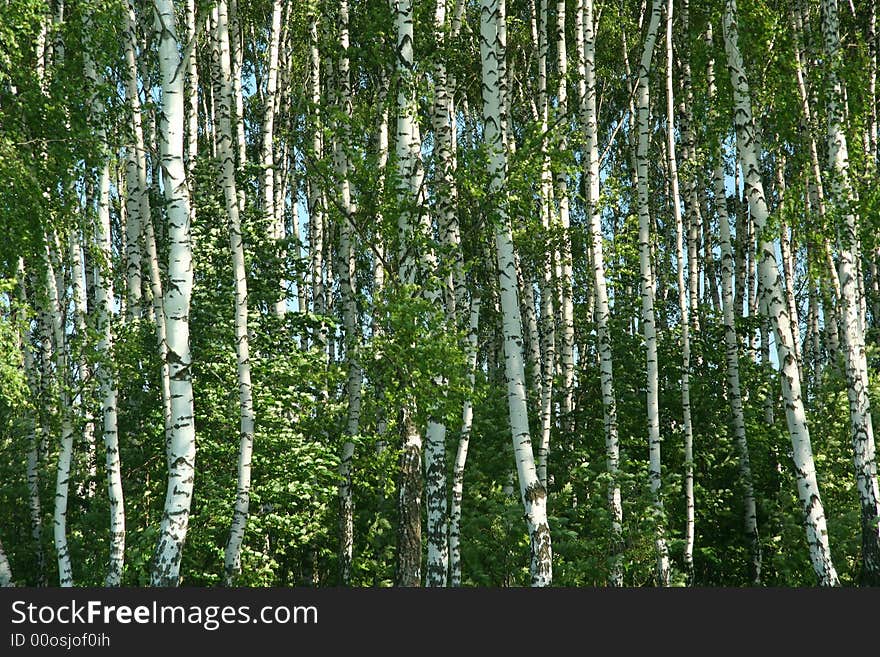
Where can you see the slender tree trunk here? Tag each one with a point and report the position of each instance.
(347, 283)
(647, 289)
(62, 480)
(771, 291)
(315, 193)
(274, 219)
(585, 29)
(532, 492)
(103, 301)
(545, 281)
(564, 265)
(682, 305)
(225, 99)
(467, 419)
(176, 304)
(88, 488)
(843, 198)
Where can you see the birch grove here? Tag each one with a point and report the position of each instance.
(496, 293)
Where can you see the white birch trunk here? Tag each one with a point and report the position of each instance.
(347, 285)
(853, 333)
(192, 85)
(225, 99)
(176, 304)
(564, 268)
(78, 287)
(647, 289)
(104, 307)
(532, 492)
(687, 423)
(315, 195)
(585, 30)
(270, 107)
(774, 300)
(62, 479)
(467, 420)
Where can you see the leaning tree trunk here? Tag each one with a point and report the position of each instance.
(843, 198)
(532, 492)
(647, 289)
(775, 306)
(176, 303)
(224, 94)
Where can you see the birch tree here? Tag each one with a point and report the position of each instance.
(853, 327)
(176, 305)
(649, 330)
(242, 341)
(774, 303)
(532, 491)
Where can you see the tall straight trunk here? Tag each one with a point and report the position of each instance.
(647, 289)
(687, 423)
(315, 193)
(564, 266)
(843, 198)
(62, 479)
(192, 86)
(138, 190)
(225, 99)
(693, 215)
(532, 491)
(774, 302)
(176, 303)
(104, 370)
(236, 63)
(274, 219)
(78, 287)
(445, 124)
(585, 29)
(347, 285)
(467, 420)
(545, 281)
(731, 351)
(138, 198)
